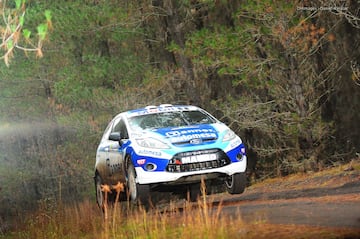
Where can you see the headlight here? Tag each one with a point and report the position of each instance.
(229, 135)
(152, 143)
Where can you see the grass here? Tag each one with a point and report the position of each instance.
(179, 219)
(84, 220)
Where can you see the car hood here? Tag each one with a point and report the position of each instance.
(195, 134)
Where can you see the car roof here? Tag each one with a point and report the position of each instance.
(152, 109)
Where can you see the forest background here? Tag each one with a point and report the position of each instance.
(285, 75)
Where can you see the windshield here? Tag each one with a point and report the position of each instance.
(170, 119)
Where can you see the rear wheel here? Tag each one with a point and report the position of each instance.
(137, 192)
(236, 183)
(99, 194)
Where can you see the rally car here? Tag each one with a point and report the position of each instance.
(168, 147)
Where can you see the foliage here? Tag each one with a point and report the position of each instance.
(266, 52)
(14, 35)
(23, 85)
(40, 162)
(92, 60)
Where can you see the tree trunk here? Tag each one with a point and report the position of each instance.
(175, 30)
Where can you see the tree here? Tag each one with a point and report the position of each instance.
(270, 68)
(15, 36)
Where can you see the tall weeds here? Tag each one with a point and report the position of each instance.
(180, 219)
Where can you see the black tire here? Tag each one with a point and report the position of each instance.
(138, 193)
(236, 183)
(100, 197)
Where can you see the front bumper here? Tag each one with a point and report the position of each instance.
(154, 177)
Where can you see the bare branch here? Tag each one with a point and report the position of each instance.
(355, 68)
(12, 30)
(350, 17)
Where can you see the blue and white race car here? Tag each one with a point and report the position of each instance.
(171, 148)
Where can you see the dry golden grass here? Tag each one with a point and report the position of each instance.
(201, 220)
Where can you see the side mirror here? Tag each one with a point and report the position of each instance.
(115, 136)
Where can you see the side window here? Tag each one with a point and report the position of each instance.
(107, 131)
(121, 127)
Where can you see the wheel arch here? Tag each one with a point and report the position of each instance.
(96, 174)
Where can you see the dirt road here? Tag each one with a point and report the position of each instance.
(328, 207)
(327, 201)
(330, 199)
(322, 204)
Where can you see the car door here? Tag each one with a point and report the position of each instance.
(102, 154)
(114, 161)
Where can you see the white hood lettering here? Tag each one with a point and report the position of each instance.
(189, 137)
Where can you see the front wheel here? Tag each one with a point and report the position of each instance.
(236, 183)
(137, 192)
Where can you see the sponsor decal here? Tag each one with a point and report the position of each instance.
(149, 152)
(189, 137)
(141, 161)
(199, 158)
(113, 167)
(196, 141)
(172, 133)
(189, 131)
(194, 135)
(155, 110)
